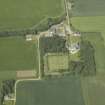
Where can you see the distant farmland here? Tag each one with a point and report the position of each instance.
(17, 54)
(19, 14)
(94, 90)
(89, 8)
(62, 91)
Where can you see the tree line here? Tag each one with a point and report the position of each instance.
(55, 44)
(7, 87)
(39, 28)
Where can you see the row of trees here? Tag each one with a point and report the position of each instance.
(53, 44)
(41, 27)
(7, 87)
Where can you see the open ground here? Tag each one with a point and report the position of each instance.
(16, 54)
(20, 14)
(58, 91)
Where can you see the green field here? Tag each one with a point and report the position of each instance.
(62, 91)
(74, 39)
(90, 24)
(17, 54)
(20, 14)
(89, 8)
(57, 62)
(94, 90)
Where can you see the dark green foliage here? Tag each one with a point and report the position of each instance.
(7, 88)
(53, 44)
(87, 64)
(87, 56)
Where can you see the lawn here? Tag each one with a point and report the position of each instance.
(61, 91)
(74, 57)
(17, 54)
(20, 14)
(74, 39)
(89, 8)
(57, 61)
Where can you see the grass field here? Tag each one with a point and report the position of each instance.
(62, 91)
(89, 8)
(17, 54)
(57, 62)
(90, 24)
(19, 14)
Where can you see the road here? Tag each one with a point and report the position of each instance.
(67, 11)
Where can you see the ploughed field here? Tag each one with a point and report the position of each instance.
(58, 91)
(20, 14)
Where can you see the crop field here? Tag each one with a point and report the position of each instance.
(56, 62)
(89, 8)
(90, 24)
(61, 91)
(17, 54)
(94, 90)
(20, 14)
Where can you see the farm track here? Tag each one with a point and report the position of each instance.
(23, 80)
(67, 11)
